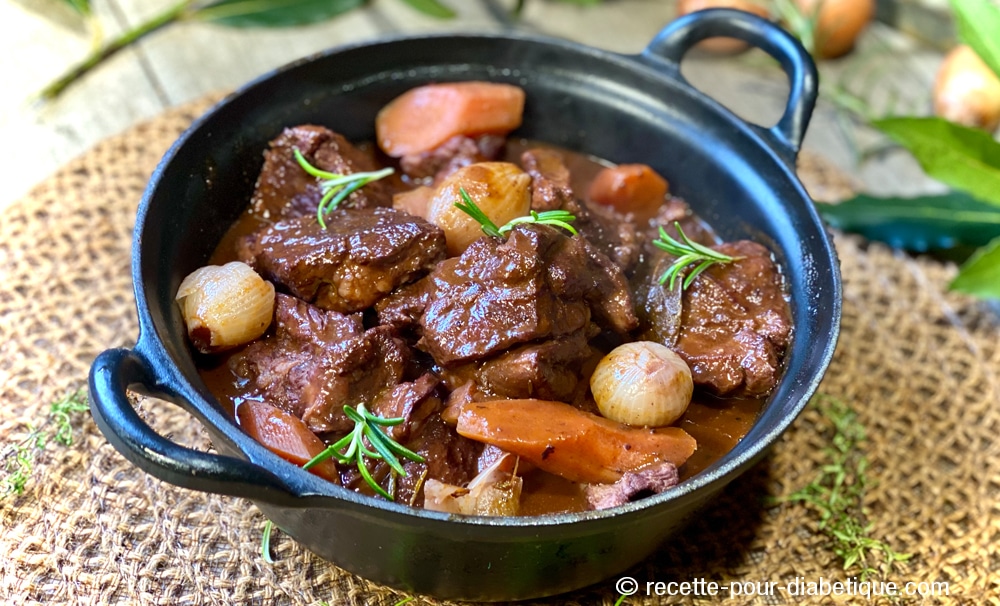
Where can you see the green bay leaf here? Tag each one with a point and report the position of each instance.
(432, 8)
(978, 23)
(964, 158)
(980, 275)
(917, 224)
(273, 13)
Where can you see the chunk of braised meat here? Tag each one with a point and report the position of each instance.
(453, 154)
(316, 361)
(551, 370)
(363, 255)
(657, 305)
(538, 284)
(632, 486)
(413, 402)
(550, 179)
(448, 458)
(616, 237)
(736, 323)
(284, 190)
(403, 308)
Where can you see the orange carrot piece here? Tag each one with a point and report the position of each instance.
(568, 442)
(425, 117)
(286, 436)
(630, 188)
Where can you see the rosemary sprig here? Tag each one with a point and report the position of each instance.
(352, 448)
(555, 218)
(19, 459)
(837, 494)
(687, 252)
(336, 187)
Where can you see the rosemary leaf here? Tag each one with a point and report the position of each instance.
(19, 459)
(837, 495)
(555, 218)
(687, 252)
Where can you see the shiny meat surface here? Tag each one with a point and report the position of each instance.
(538, 284)
(317, 361)
(550, 179)
(551, 370)
(403, 308)
(362, 255)
(551, 190)
(284, 190)
(736, 323)
(412, 402)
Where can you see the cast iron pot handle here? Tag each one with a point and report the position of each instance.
(677, 38)
(117, 371)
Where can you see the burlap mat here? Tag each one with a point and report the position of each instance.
(920, 366)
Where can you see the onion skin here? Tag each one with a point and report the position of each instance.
(500, 189)
(722, 45)
(838, 24)
(225, 306)
(642, 384)
(966, 91)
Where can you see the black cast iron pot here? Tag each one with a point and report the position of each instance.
(738, 176)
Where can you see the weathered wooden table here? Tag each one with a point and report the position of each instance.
(186, 61)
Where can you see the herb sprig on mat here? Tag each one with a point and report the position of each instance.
(837, 495)
(555, 218)
(239, 14)
(19, 459)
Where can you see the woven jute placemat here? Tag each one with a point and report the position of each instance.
(919, 365)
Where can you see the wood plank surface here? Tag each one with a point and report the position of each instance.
(188, 60)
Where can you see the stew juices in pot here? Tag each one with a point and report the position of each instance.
(468, 322)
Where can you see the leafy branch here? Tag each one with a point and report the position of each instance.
(230, 13)
(837, 495)
(19, 459)
(966, 159)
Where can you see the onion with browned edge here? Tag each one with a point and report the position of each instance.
(225, 306)
(499, 189)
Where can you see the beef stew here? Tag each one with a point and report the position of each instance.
(377, 309)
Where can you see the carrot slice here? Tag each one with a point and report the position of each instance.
(568, 442)
(630, 188)
(286, 436)
(425, 117)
